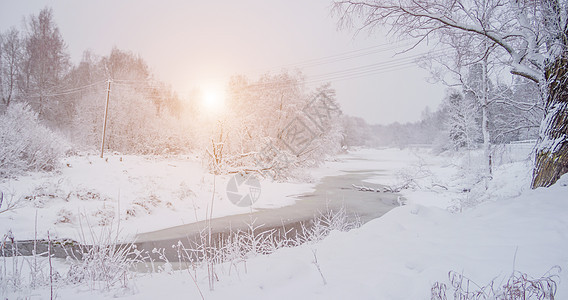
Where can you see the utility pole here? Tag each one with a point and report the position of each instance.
(105, 122)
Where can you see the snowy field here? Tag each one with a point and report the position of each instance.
(452, 220)
(147, 193)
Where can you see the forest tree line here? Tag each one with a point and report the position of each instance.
(515, 113)
(51, 106)
(528, 39)
(66, 102)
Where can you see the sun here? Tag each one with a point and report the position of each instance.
(213, 99)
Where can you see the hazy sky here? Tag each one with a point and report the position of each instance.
(202, 43)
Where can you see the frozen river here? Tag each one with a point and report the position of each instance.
(330, 193)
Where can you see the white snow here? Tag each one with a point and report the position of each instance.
(161, 192)
(506, 228)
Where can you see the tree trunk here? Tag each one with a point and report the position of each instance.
(551, 160)
(485, 121)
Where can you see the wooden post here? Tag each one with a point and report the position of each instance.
(105, 122)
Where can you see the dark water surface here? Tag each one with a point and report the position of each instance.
(331, 193)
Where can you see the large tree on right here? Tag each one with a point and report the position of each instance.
(532, 34)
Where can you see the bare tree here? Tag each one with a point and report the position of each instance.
(533, 35)
(469, 62)
(10, 59)
(125, 65)
(512, 111)
(46, 61)
(516, 111)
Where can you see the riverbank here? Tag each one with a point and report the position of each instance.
(485, 235)
(152, 193)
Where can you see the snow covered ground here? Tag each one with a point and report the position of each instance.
(451, 222)
(149, 193)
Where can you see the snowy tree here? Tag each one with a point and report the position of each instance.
(516, 112)
(143, 116)
(525, 102)
(533, 35)
(426, 131)
(356, 132)
(45, 62)
(461, 122)
(325, 121)
(261, 109)
(278, 118)
(468, 63)
(88, 71)
(479, 87)
(26, 144)
(509, 113)
(10, 60)
(125, 65)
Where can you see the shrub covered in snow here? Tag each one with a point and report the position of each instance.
(25, 143)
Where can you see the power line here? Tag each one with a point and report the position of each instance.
(67, 92)
(363, 74)
(359, 71)
(340, 57)
(343, 55)
(380, 65)
(339, 75)
(325, 60)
